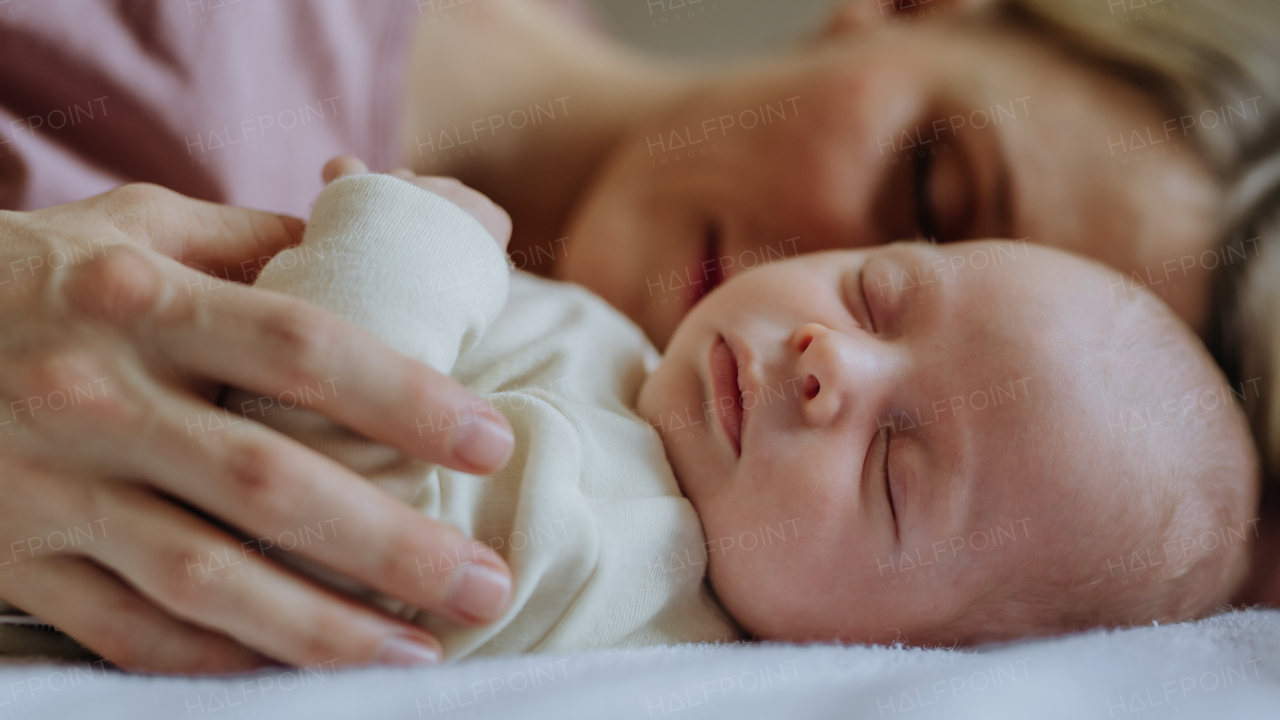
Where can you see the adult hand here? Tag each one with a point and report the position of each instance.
(119, 476)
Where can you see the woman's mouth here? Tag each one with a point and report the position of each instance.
(726, 395)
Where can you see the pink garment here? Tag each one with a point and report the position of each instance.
(236, 101)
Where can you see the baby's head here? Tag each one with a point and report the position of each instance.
(941, 443)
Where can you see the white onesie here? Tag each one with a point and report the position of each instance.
(604, 549)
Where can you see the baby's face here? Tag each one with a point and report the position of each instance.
(866, 434)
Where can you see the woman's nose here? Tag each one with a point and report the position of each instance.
(839, 374)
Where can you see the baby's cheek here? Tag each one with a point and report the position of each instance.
(924, 433)
(926, 292)
(685, 435)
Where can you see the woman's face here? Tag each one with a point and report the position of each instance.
(926, 129)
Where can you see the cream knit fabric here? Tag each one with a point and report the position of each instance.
(604, 548)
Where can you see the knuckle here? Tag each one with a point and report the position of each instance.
(185, 578)
(256, 480)
(206, 654)
(123, 648)
(135, 640)
(125, 640)
(75, 384)
(140, 193)
(302, 336)
(320, 641)
(403, 550)
(120, 286)
(61, 369)
(108, 406)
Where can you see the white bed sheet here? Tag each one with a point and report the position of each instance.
(1227, 666)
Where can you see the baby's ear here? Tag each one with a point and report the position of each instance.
(856, 16)
(341, 166)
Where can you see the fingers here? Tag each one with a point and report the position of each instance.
(110, 618)
(135, 327)
(491, 217)
(342, 166)
(264, 483)
(176, 585)
(276, 488)
(270, 344)
(205, 577)
(221, 240)
(489, 214)
(52, 515)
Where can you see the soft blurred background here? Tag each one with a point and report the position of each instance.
(710, 28)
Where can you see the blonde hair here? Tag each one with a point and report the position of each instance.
(1212, 61)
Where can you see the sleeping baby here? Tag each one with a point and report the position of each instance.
(815, 455)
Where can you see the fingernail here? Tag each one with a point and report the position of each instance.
(484, 442)
(480, 592)
(400, 650)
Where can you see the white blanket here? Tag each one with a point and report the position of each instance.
(1224, 667)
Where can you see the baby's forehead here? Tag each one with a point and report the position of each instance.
(1089, 419)
(1024, 271)
(1040, 307)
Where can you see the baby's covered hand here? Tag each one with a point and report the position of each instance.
(493, 218)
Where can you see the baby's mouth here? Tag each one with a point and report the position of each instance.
(726, 395)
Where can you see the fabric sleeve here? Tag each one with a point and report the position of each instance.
(415, 271)
(406, 265)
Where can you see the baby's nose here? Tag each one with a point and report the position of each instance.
(838, 374)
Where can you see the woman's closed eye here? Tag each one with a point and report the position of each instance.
(922, 203)
(943, 196)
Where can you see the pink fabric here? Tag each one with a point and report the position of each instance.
(236, 101)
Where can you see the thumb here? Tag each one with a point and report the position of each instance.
(230, 242)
